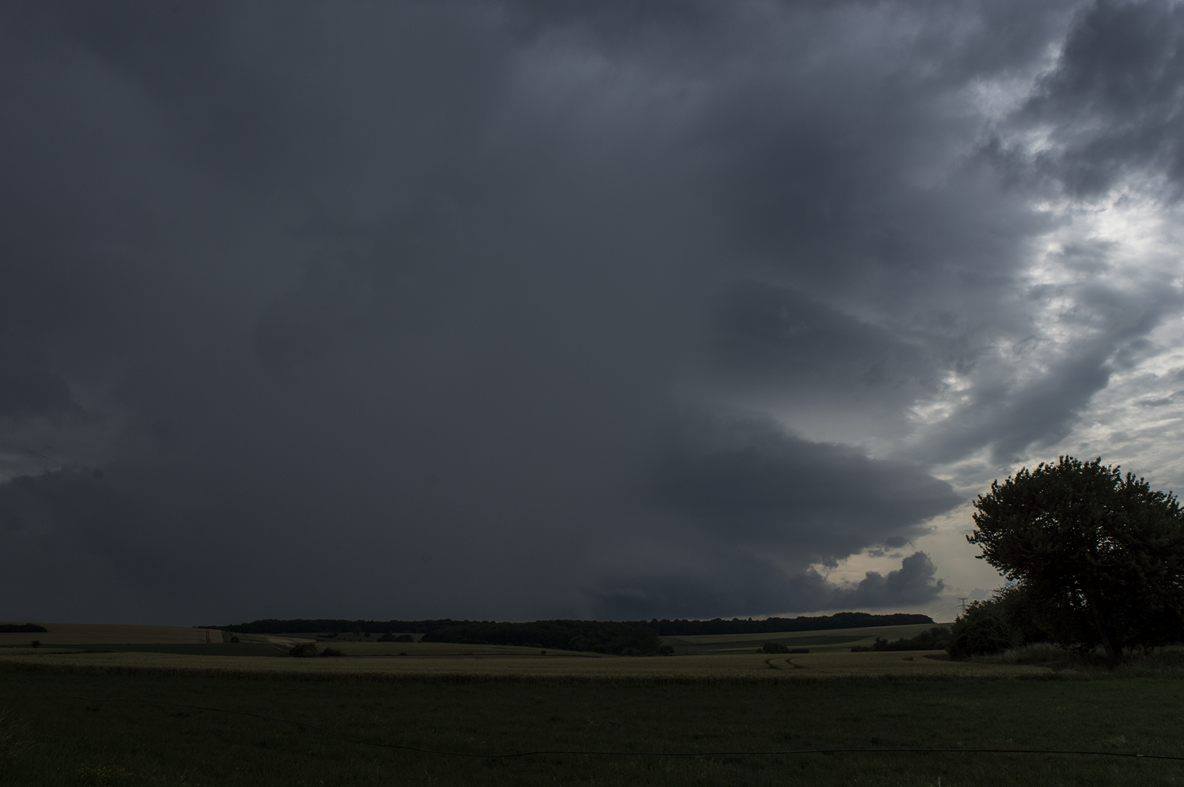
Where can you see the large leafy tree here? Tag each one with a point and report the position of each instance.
(1101, 554)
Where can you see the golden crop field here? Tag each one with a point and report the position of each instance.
(446, 650)
(707, 667)
(113, 634)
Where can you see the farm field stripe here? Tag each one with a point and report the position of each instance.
(654, 754)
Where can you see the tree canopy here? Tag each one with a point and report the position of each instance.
(1098, 555)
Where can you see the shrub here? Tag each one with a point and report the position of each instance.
(982, 629)
(331, 653)
(234, 639)
(21, 628)
(303, 650)
(1042, 653)
(774, 647)
(1009, 620)
(936, 638)
(1160, 663)
(35, 643)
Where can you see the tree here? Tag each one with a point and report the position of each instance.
(1098, 553)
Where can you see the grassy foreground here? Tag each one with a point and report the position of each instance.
(85, 725)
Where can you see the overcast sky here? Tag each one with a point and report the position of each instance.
(569, 309)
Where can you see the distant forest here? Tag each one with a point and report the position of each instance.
(839, 620)
(625, 638)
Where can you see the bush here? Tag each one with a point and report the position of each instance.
(1009, 620)
(774, 647)
(936, 638)
(1040, 653)
(35, 643)
(1159, 663)
(234, 639)
(21, 628)
(303, 650)
(981, 630)
(331, 653)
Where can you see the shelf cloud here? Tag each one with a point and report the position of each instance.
(547, 309)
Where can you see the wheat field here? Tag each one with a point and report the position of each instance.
(461, 665)
(113, 634)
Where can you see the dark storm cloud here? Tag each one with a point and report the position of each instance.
(757, 509)
(31, 392)
(775, 345)
(748, 483)
(522, 309)
(726, 588)
(1112, 106)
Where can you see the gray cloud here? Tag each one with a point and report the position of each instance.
(1007, 415)
(729, 589)
(526, 309)
(1111, 106)
(776, 348)
(746, 482)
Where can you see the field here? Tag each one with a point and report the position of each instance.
(171, 712)
(105, 634)
(723, 667)
(445, 650)
(826, 640)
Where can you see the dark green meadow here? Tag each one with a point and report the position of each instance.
(89, 726)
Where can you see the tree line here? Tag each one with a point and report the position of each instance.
(616, 637)
(839, 620)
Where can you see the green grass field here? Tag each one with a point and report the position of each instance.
(177, 712)
(75, 726)
(826, 640)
